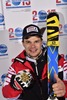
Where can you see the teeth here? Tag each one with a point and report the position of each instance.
(32, 50)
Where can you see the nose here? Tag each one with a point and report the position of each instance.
(32, 44)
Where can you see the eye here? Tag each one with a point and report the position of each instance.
(28, 42)
(37, 41)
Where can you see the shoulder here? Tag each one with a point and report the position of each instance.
(61, 57)
(62, 60)
(20, 59)
(20, 56)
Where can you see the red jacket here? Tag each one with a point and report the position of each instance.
(21, 63)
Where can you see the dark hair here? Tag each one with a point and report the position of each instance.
(31, 36)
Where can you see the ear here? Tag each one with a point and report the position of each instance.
(42, 30)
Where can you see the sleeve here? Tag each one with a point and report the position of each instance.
(63, 68)
(65, 82)
(7, 90)
(65, 76)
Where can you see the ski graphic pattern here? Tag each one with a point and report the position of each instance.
(52, 47)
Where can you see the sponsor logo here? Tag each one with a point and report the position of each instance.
(1, 18)
(3, 50)
(39, 16)
(2, 79)
(42, 15)
(64, 0)
(61, 2)
(16, 2)
(11, 4)
(18, 32)
(32, 28)
(15, 34)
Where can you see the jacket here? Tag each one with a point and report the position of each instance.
(39, 89)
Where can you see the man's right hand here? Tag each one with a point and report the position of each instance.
(23, 80)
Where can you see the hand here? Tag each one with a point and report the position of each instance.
(59, 87)
(23, 79)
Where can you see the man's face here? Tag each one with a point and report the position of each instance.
(33, 46)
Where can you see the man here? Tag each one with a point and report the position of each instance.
(27, 76)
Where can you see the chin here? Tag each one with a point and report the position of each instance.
(34, 55)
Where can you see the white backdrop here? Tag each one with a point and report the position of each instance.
(14, 15)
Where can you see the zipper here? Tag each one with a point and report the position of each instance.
(36, 68)
(39, 82)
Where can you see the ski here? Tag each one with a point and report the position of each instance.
(52, 50)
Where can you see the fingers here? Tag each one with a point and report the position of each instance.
(56, 77)
(59, 93)
(59, 87)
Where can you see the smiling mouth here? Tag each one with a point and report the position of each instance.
(33, 50)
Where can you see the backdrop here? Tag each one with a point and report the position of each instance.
(14, 15)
